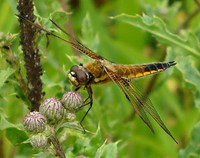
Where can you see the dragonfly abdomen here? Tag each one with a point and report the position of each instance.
(157, 67)
(135, 71)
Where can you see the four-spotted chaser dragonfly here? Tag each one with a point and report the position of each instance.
(102, 70)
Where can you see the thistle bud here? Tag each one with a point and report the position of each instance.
(70, 117)
(39, 141)
(53, 109)
(72, 100)
(35, 122)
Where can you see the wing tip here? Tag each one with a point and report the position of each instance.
(173, 138)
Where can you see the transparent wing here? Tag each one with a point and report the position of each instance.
(80, 47)
(90, 53)
(138, 100)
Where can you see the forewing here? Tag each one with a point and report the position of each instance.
(138, 100)
(80, 47)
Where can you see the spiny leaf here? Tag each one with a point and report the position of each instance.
(3, 121)
(90, 39)
(110, 151)
(99, 151)
(193, 149)
(4, 74)
(190, 73)
(157, 27)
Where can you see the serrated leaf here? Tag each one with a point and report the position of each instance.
(189, 71)
(72, 126)
(97, 138)
(193, 149)
(15, 136)
(20, 93)
(99, 151)
(109, 151)
(157, 27)
(75, 127)
(90, 39)
(6, 39)
(3, 121)
(4, 74)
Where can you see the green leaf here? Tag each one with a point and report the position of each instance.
(89, 38)
(3, 121)
(193, 149)
(44, 155)
(6, 39)
(4, 74)
(190, 73)
(15, 135)
(99, 151)
(20, 93)
(109, 151)
(157, 27)
(73, 126)
(97, 138)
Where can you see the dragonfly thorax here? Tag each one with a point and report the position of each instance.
(78, 75)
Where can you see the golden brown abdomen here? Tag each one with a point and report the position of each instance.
(135, 71)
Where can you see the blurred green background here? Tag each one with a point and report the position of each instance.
(175, 92)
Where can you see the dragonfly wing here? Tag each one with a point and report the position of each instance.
(80, 47)
(138, 100)
(148, 106)
(135, 102)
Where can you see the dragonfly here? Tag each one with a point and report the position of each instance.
(101, 70)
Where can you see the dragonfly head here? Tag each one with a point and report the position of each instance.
(78, 76)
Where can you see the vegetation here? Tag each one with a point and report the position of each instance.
(125, 32)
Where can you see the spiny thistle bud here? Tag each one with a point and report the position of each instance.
(35, 122)
(72, 100)
(39, 141)
(70, 117)
(53, 109)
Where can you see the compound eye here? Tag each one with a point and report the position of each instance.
(74, 68)
(73, 73)
(81, 76)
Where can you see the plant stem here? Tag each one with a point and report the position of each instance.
(189, 18)
(59, 150)
(31, 56)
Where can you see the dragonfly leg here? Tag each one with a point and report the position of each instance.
(84, 103)
(89, 90)
(77, 88)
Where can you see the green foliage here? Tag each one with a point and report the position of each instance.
(193, 149)
(15, 136)
(157, 27)
(13, 133)
(127, 38)
(4, 74)
(190, 73)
